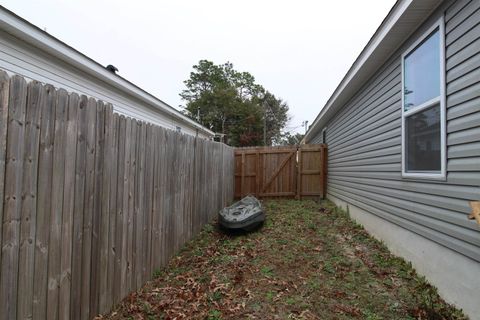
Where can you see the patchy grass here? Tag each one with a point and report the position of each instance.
(309, 261)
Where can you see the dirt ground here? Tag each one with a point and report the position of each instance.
(309, 261)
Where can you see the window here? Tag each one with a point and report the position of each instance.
(423, 106)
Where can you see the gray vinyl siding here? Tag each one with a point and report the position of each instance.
(364, 141)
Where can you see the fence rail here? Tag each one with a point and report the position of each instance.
(93, 202)
(287, 171)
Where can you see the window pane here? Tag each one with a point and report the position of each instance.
(423, 140)
(422, 72)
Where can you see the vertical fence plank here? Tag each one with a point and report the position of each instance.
(136, 208)
(137, 223)
(119, 222)
(195, 196)
(156, 251)
(131, 207)
(125, 202)
(164, 195)
(68, 208)
(168, 196)
(4, 92)
(174, 198)
(57, 205)
(180, 185)
(104, 235)
(35, 98)
(79, 206)
(162, 201)
(44, 204)
(140, 208)
(191, 187)
(88, 208)
(112, 249)
(12, 200)
(97, 208)
(149, 174)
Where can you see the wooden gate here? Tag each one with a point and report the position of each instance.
(292, 171)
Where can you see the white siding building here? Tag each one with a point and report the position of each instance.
(29, 51)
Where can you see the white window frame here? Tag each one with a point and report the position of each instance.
(441, 100)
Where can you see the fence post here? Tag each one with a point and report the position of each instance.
(242, 181)
(299, 174)
(257, 174)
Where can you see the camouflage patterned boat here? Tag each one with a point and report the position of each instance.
(245, 214)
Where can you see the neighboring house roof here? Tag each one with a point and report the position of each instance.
(34, 36)
(402, 20)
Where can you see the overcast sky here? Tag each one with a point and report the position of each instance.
(299, 50)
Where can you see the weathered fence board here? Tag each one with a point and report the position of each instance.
(54, 256)
(12, 197)
(120, 223)
(113, 182)
(78, 220)
(105, 208)
(4, 98)
(93, 203)
(44, 204)
(290, 171)
(88, 209)
(68, 208)
(29, 198)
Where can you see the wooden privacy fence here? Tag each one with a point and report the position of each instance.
(291, 171)
(93, 202)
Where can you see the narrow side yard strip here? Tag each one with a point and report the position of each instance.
(309, 261)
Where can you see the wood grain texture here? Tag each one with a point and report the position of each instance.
(105, 229)
(44, 204)
(79, 207)
(35, 98)
(88, 208)
(112, 212)
(120, 213)
(149, 175)
(68, 207)
(12, 197)
(93, 203)
(97, 208)
(280, 171)
(131, 207)
(157, 203)
(57, 204)
(125, 209)
(4, 92)
(137, 212)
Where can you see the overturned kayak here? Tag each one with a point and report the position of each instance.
(245, 214)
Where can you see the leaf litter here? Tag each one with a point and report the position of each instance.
(309, 261)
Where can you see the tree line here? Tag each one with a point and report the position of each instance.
(232, 104)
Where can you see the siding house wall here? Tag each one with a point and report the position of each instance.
(364, 164)
(424, 221)
(364, 141)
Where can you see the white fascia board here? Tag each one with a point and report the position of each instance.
(36, 37)
(361, 67)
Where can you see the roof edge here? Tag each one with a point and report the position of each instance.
(31, 34)
(358, 70)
